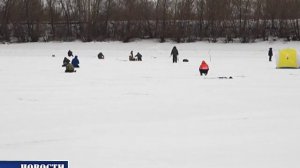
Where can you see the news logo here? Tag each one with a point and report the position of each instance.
(34, 164)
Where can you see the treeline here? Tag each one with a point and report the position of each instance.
(180, 20)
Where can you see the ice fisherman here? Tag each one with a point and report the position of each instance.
(100, 55)
(70, 53)
(174, 52)
(270, 53)
(131, 57)
(75, 62)
(139, 56)
(65, 62)
(203, 69)
(69, 68)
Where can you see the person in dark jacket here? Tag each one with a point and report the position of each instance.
(174, 52)
(100, 56)
(203, 69)
(270, 53)
(75, 62)
(65, 62)
(69, 68)
(139, 56)
(70, 53)
(131, 57)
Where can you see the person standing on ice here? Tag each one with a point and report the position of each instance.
(203, 69)
(175, 53)
(139, 56)
(270, 54)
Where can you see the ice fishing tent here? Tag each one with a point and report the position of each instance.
(287, 58)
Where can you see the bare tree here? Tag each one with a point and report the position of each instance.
(5, 7)
(66, 9)
(51, 4)
(200, 10)
(181, 20)
(164, 13)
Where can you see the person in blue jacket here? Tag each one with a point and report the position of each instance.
(75, 62)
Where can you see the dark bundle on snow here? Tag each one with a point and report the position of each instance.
(70, 53)
(100, 55)
(225, 77)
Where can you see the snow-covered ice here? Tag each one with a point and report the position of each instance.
(114, 113)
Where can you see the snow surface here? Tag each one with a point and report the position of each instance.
(114, 113)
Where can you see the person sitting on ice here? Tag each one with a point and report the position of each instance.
(75, 62)
(65, 62)
(69, 68)
(139, 56)
(70, 53)
(100, 56)
(131, 57)
(203, 68)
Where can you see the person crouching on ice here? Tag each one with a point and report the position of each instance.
(75, 62)
(65, 62)
(70, 68)
(203, 68)
(131, 57)
(70, 53)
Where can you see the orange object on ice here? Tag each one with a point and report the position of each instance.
(203, 66)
